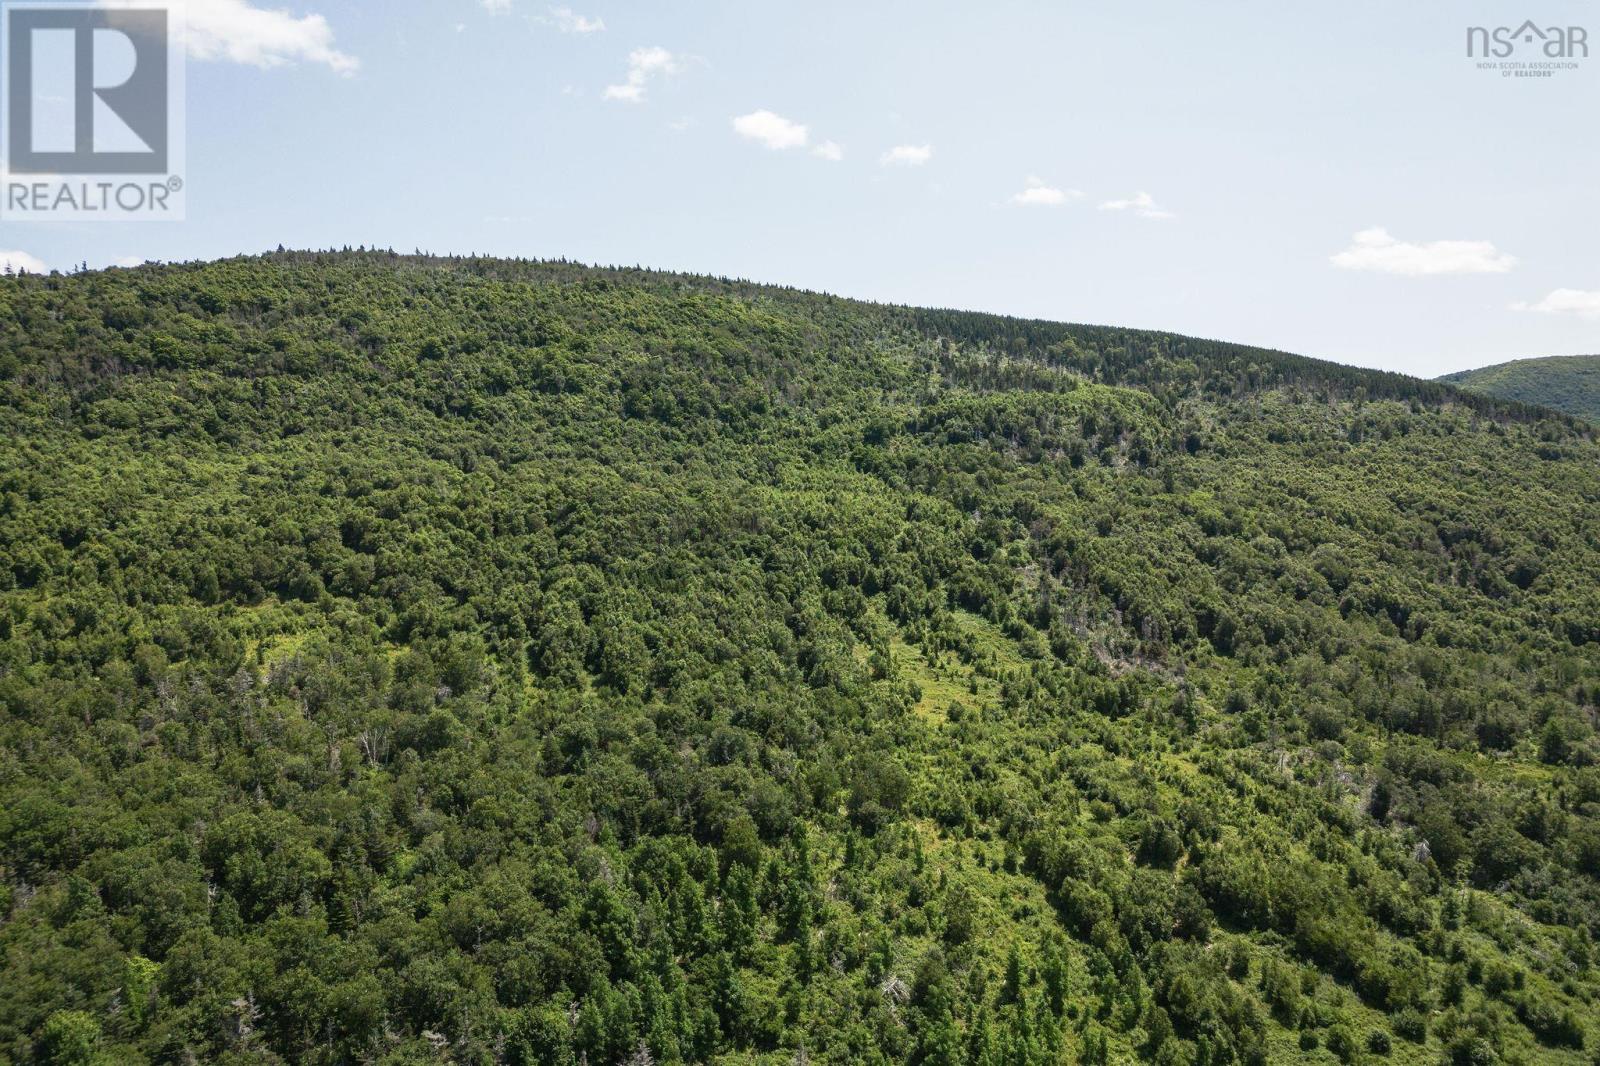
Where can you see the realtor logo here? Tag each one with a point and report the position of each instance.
(92, 111)
(88, 91)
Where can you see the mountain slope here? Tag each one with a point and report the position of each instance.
(1569, 383)
(417, 660)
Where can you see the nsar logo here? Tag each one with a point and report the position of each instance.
(1552, 42)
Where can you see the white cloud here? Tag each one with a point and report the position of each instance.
(130, 261)
(235, 31)
(1142, 203)
(1036, 193)
(1566, 302)
(496, 7)
(15, 262)
(780, 134)
(772, 130)
(567, 21)
(1374, 249)
(906, 155)
(643, 65)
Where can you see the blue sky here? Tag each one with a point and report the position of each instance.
(1336, 179)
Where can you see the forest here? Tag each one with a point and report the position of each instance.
(411, 659)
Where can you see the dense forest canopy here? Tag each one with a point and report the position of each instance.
(419, 660)
(1569, 383)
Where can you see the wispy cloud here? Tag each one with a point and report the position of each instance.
(235, 31)
(1581, 302)
(773, 131)
(568, 21)
(1375, 250)
(496, 7)
(906, 155)
(1036, 193)
(1141, 204)
(644, 65)
(14, 262)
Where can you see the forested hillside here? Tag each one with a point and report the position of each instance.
(1569, 383)
(413, 660)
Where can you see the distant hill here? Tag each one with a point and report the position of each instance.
(1567, 383)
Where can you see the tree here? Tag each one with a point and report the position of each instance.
(69, 1038)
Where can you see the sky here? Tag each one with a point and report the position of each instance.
(1334, 179)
